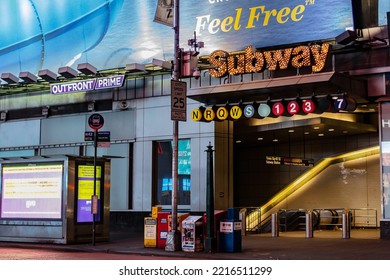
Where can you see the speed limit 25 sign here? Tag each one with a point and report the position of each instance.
(178, 101)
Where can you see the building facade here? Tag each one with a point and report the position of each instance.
(279, 88)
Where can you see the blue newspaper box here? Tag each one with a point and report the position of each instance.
(230, 238)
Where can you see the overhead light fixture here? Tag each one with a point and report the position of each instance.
(346, 37)
(162, 63)
(3, 116)
(28, 77)
(9, 78)
(91, 106)
(45, 111)
(67, 72)
(87, 69)
(135, 67)
(47, 75)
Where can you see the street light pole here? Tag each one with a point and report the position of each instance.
(210, 241)
(173, 238)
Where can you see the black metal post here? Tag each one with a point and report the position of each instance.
(210, 242)
(95, 134)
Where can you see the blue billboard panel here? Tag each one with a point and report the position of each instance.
(41, 34)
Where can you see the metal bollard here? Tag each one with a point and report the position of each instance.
(275, 225)
(309, 224)
(346, 225)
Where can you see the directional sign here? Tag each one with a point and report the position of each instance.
(178, 101)
(103, 136)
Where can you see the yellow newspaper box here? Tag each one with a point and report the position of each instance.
(150, 232)
(155, 210)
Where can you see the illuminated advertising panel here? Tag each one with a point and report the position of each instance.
(32, 191)
(52, 34)
(85, 183)
(56, 33)
(385, 157)
(184, 157)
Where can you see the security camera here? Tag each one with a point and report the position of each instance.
(196, 73)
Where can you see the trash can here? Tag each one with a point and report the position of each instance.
(230, 238)
(162, 229)
(192, 239)
(150, 232)
(233, 214)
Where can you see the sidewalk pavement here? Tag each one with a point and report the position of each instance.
(363, 244)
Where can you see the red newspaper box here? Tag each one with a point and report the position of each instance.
(162, 228)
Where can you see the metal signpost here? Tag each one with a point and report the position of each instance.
(173, 237)
(178, 101)
(95, 121)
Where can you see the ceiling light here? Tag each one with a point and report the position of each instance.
(135, 67)
(346, 37)
(47, 75)
(9, 78)
(28, 77)
(67, 72)
(3, 116)
(87, 69)
(260, 138)
(162, 63)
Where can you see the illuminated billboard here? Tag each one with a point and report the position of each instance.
(41, 34)
(31, 191)
(85, 184)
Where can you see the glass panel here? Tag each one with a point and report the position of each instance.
(385, 157)
(164, 172)
(31, 191)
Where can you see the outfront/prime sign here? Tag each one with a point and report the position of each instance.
(88, 85)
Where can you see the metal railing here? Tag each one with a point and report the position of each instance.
(330, 218)
(364, 217)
